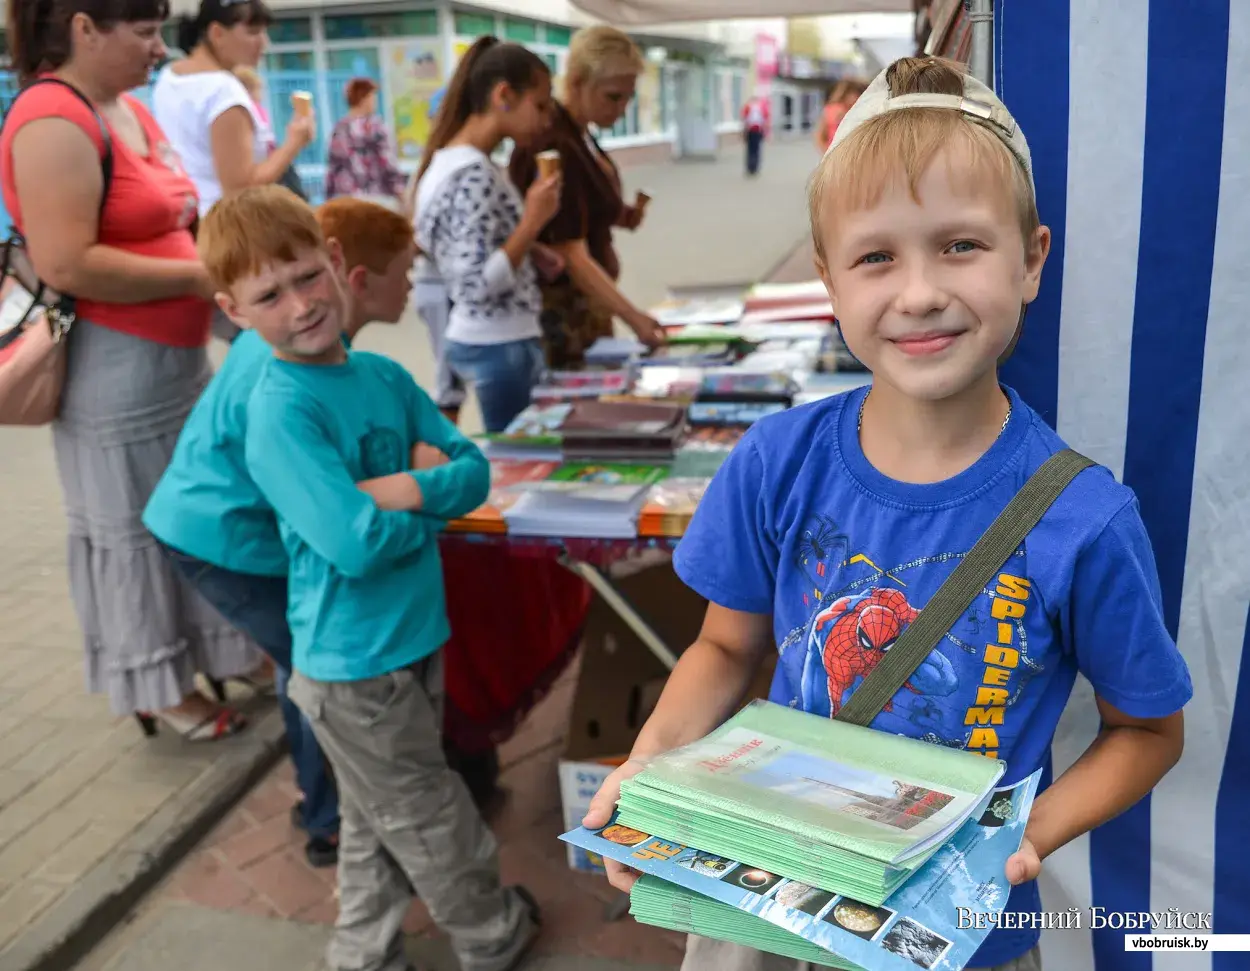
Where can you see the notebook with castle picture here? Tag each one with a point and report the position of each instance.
(833, 805)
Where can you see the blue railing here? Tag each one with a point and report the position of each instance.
(329, 92)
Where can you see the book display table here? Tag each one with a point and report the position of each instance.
(602, 474)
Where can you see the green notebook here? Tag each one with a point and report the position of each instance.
(767, 789)
(662, 904)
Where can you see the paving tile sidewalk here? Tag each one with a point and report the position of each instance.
(90, 811)
(252, 865)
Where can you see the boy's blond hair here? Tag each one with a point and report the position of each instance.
(370, 235)
(254, 228)
(855, 172)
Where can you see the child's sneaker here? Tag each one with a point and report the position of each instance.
(322, 851)
(536, 920)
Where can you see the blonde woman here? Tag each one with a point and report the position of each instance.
(580, 302)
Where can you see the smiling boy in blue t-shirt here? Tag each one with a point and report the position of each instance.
(832, 525)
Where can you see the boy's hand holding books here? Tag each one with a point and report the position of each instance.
(1025, 864)
(602, 806)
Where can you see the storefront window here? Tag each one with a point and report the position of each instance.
(289, 61)
(558, 36)
(293, 30)
(521, 31)
(410, 23)
(474, 24)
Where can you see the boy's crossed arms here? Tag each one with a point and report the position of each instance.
(297, 458)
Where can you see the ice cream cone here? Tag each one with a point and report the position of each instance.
(548, 163)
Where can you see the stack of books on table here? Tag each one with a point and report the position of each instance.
(779, 302)
(571, 385)
(671, 505)
(741, 397)
(705, 450)
(581, 500)
(505, 476)
(819, 840)
(698, 310)
(588, 430)
(533, 435)
(614, 352)
(622, 431)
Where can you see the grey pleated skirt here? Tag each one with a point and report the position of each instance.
(146, 631)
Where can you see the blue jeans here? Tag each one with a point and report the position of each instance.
(503, 375)
(256, 606)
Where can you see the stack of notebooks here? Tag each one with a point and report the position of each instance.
(818, 840)
(622, 431)
(670, 506)
(590, 430)
(691, 354)
(571, 385)
(705, 310)
(576, 500)
(764, 789)
(770, 302)
(613, 352)
(704, 451)
(741, 397)
(674, 908)
(505, 476)
(533, 435)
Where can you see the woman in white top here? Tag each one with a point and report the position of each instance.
(211, 121)
(472, 224)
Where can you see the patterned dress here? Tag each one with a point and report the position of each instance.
(361, 161)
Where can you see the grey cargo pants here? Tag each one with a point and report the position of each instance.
(407, 822)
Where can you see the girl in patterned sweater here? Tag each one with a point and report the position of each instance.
(479, 233)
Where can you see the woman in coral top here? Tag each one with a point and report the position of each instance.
(841, 99)
(137, 356)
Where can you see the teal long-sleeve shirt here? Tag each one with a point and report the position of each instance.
(366, 585)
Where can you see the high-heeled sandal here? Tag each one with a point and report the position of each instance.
(223, 724)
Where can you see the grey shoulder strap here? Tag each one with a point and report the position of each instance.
(955, 596)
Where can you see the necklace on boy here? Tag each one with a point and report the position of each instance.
(859, 426)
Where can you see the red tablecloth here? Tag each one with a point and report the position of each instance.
(516, 621)
(516, 618)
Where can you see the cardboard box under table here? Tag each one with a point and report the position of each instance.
(620, 682)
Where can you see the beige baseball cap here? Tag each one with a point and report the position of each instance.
(978, 102)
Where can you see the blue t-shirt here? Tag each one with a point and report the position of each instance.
(798, 524)
(366, 585)
(205, 504)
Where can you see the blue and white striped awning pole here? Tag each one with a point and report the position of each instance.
(1137, 349)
